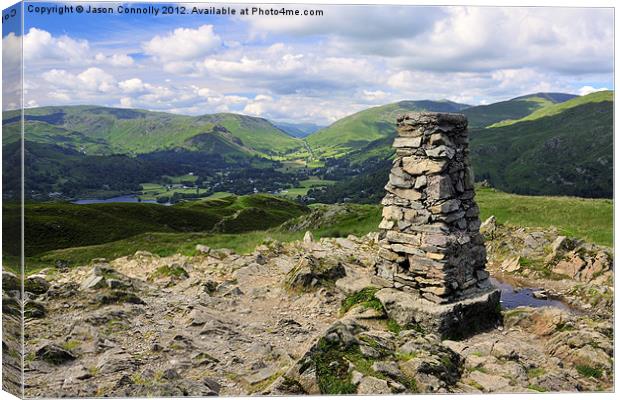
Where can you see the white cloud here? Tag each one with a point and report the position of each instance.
(133, 85)
(183, 44)
(40, 45)
(126, 102)
(584, 90)
(115, 60)
(319, 69)
(373, 95)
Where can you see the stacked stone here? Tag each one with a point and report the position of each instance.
(431, 242)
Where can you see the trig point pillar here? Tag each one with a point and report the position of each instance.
(432, 256)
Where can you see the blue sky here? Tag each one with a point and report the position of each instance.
(311, 69)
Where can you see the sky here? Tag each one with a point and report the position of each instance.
(308, 68)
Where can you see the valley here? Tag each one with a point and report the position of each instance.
(539, 144)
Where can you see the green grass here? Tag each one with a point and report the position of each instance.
(120, 234)
(537, 388)
(589, 372)
(51, 226)
(305, 185)
(169, 271)
(590, 219)
(535, 372)
(365, 297)
(153, 191)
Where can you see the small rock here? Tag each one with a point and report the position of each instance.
(308, 237)
(202, 249)
(489, 226)
(93, 281)
(511, 264)
(54, 354)
(540, 294)
(356, 377)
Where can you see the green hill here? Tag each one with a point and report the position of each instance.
(101, 130)
(557, 108)
(365, 127)
(560, 149)
(51, 226)
(483, 116)
(590, 219)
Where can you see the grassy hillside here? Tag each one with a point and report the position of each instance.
(589, 219)
(50, 226)
(557, 108)
(483, 116)
(102, 130)
(360, 129)
(561, 149)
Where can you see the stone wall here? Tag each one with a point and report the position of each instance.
(431, 244)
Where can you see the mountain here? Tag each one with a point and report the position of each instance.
(361, 129)
(519, 107)
(300, 130)
(101, 130)
(560, 149)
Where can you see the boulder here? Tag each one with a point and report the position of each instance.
(570, 267)
(311, 271)
(36, 284)
(10, 281)
(373, 386)
(53, 354)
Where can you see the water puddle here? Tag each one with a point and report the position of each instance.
(513, 297)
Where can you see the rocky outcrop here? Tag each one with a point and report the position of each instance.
(229, 325)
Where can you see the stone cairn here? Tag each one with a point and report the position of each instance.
(431, 244)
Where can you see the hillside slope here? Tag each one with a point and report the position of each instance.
(51, 226)
(564, 149)
(561, 149)
(483, 116)
(361, 129)
(103, 130)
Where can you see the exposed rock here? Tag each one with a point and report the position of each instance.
(310, 272)
(489, 383)
(374, 386)
(511, 264)
(489, 226)
(36, 284)
(10, 281)
(203, 249)
(53, 354)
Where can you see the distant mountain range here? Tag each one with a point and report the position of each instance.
(298, 130)
(542, 143)
(97, 130)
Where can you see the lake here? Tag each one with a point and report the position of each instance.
(118, 199)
